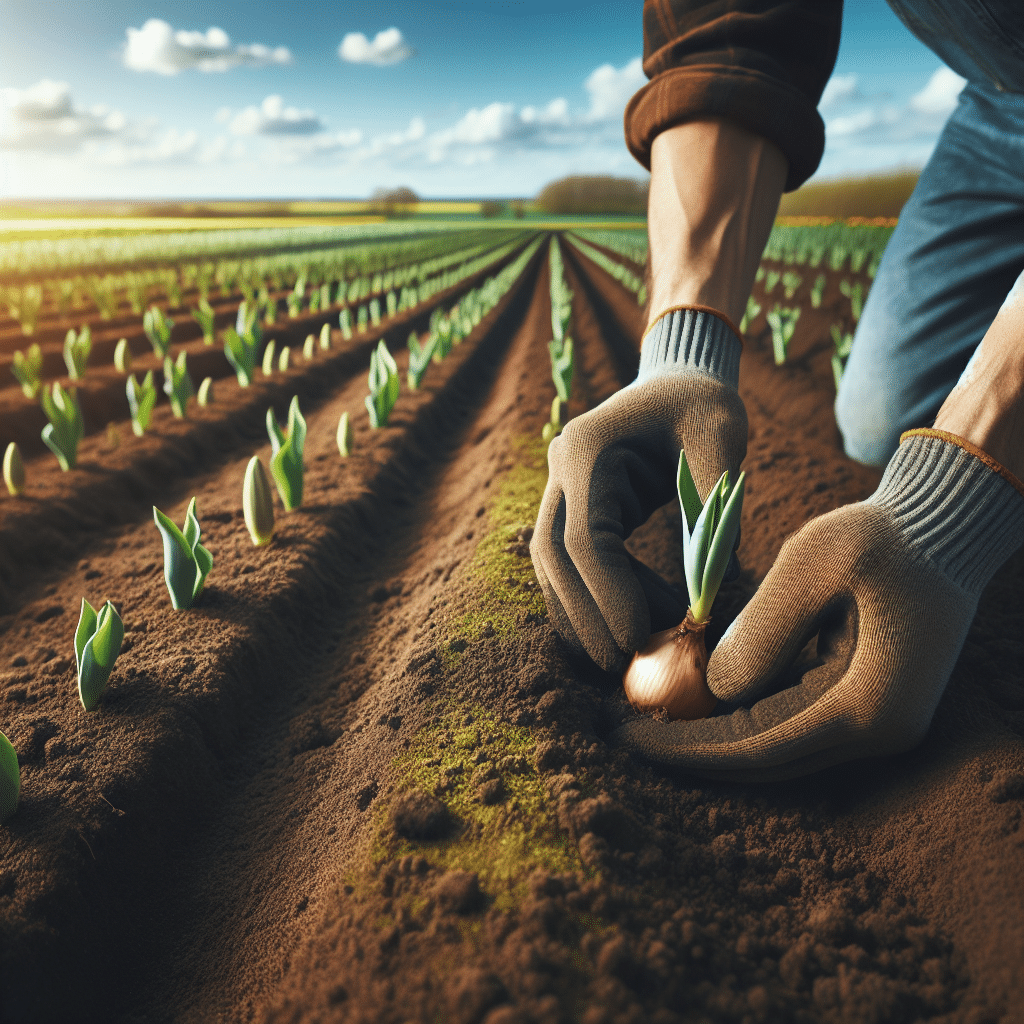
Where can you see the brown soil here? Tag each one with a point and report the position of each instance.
(361, 780)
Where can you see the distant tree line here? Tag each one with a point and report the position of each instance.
(594, 194)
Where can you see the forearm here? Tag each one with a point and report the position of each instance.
(715, 190)
(987, 405)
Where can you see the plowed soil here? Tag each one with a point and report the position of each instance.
(363, 781)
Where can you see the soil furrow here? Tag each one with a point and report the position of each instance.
(63, 515)
(191, 687)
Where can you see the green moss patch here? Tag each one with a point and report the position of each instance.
(462, 750)
(499, 584)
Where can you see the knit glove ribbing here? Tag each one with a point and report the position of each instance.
(890, 586)
(613, 466)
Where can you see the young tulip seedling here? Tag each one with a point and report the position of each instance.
(268, 357)
(325, 337)
(283, 359)
(158, 330)
(344, 436)
(558, 418)
(204, 316)
(308, 347)
(204, 396)
(843, 342)
(561, 366)
(783, 324)
(178, 384)
(286, 464)
(257, 503)
(855, 293)
(65, 429)
(97, 644)
(186, 562)
(28, 368)
(750, 314)
(77, 346)
(14, 470)
(671, 671)
(10, 779)
(419, 358)
(818, 291)
(122, 357)
(141, 399)
(241, 354)
(384, 385)
(345, 323)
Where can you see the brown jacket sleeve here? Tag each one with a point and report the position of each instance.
(760, 63)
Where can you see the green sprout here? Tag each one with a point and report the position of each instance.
(186, 562)
(14, 470)
(204, 316)
(296, 296)
(384, 385)
(375, 312)
(268, 358)
(709, 535)
(791, 280)
(817, 291)
(141, 399)
(97, 644)
(308, 347)
(392, 304)
(28, 368)
(361, 319)
(65, 429)
(10, 778)
(241, 354)
(325, 337)
(257, 503)
(442, 334)
(419, 358)
(855, 293)
(286, 464)
(344, 436)
(783, 324)
(122, 356)
(77, 346)
(204, 396)
(843, 342)
(554, 425)
(283, 359)
(771, 279)
(561, 366)
(750, 314)
(178, 384)
(345, 323)
(158, 329)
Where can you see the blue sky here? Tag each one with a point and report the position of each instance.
(302, 98)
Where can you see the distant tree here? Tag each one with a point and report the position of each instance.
(870, 195)
(394, 202)
(518, 208)
(491, 208)
(582, 194)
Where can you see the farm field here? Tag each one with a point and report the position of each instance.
(361, 780)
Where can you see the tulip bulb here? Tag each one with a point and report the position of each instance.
(671, 673)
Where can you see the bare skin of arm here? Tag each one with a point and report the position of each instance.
(715, 190)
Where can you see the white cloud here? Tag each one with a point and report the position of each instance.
(388, 47)
(839, 89)
(44, 117)
(272, 117)
(611, 88)
(157, 47)
(939, 96)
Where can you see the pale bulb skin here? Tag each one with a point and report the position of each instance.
(671, 673)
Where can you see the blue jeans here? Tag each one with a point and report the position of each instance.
(954, 256)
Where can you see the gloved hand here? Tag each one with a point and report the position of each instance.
(613, 466)
(890, 586)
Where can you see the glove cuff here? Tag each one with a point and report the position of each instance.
(689, 338)
(955, 509)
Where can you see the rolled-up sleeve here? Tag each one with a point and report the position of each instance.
(762, 64)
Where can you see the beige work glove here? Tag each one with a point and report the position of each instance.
(613, 466)
(890, 586)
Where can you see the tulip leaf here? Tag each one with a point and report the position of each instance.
(10, 778)
(86, 628)
(689, 498)
(180, 568)
(721, 548)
